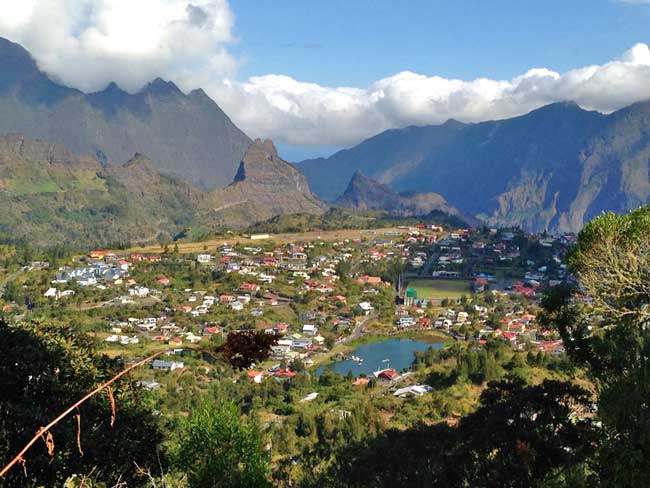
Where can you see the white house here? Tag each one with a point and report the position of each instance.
(309, 329)
(139, 291)
(406, 321)
(366, 308)
(162, 365)
(415, 390)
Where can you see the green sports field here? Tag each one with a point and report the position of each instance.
(440, 289)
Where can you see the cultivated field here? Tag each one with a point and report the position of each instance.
(326, 235)
(440, 289)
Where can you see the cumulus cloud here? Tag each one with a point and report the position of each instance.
(88, 43)
(305, 113)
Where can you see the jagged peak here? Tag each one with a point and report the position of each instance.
(453, 123)
(562, 106)
(358, 178)
(198, 93)
(267, 145)
(113, 87)
(162, 87)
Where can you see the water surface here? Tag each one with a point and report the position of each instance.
(398, 352)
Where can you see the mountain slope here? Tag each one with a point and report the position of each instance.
(264, 186)
(364, 193)
(554, 168)
(49, 196)
(186, 135)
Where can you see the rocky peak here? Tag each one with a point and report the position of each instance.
(260, 160)
(364, 192)
(161, 87)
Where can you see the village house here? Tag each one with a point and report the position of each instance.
(162, 365)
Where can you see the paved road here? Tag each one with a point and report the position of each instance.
(10, 278)
(358, 330)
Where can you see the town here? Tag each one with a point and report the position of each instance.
(383, 327)
(318, 296)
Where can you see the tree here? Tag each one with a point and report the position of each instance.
(243, 348)
(217, 449)
(46, 368)
(520, 436)
(603, 321)
(343, 269)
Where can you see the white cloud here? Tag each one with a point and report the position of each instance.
(305, 113)
(88, 43)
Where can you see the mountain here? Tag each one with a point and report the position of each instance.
(554, 168)
(185, 135)
(364, 193)
(264, 186)
(49, 196)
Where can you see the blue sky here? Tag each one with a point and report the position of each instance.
(316, 76)
(355, 42)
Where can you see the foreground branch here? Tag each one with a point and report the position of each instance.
(41, 432)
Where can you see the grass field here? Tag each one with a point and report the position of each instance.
(326, 235)
(440, 289)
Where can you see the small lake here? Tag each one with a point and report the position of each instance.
(399, 353)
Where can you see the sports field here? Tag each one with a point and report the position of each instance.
(440, 289)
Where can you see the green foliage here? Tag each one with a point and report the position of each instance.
(519, 437)
(45, 369)
(603, 322)
(218, 449)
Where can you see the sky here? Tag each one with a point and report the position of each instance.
(317, 76)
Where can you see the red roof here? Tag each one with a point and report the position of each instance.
(388, 374)
(511, 336)
(285, 372)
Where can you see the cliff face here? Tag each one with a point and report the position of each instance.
(554, 168)
(185, 135)
(264, 186)
(364, 193)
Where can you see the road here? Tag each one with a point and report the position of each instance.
(10, 278)
(357, 332)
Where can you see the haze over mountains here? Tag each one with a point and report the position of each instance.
(186, 135)
(554, 168)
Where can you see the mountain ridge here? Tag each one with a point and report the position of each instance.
(185, 135)
(50, 195)
(551, 169)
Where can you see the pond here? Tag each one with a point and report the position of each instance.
(391, 353)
